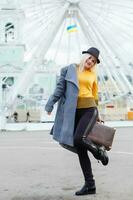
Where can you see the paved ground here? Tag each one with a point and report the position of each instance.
(34, 167)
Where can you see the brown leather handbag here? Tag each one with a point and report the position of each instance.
(102, 135)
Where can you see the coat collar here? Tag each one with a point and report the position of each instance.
(72, 74)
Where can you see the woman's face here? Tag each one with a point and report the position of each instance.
(90, 62)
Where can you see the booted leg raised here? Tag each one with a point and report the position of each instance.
(98, 152)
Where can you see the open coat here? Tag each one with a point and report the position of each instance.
(66, 93)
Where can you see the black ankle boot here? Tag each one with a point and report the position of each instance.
(103, 157)
(86, 189)
(98, 152)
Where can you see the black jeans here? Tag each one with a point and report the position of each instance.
(83, 117)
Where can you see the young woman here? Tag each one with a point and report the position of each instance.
(77, 96)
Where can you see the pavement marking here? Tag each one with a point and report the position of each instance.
(55, 148)
(39, 141)
(122, 152)
(23, 139)
(30, 147)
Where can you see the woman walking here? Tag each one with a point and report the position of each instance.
(77, 112)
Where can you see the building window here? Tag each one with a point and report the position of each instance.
(9, 32)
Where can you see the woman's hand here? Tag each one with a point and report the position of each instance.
(49, 113)
(99, 119)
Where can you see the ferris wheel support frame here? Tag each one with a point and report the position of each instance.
(105, 46)
(101, 28)
(27, 75)
(83, 26)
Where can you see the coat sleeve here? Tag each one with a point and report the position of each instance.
(58, 92)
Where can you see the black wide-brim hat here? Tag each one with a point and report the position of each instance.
(94, 52)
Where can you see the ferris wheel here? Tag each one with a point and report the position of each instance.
(61, 29)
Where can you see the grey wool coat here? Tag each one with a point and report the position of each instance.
(66, 93)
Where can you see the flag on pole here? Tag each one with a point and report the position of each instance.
(72, 28)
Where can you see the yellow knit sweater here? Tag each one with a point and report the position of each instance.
(88, 89)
